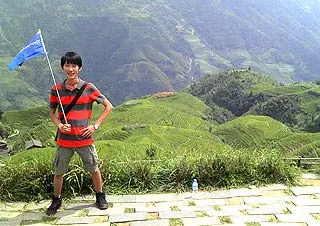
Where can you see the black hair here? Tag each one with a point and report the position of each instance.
(71, 58)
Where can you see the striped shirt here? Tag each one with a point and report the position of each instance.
(80, 114)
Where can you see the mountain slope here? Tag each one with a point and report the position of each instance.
(169, 126)
(135, 48)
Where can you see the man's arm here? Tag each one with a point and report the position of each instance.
(106, 111)
(54, 117)
(88, 131)
(57, 122)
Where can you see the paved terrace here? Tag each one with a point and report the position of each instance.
(273, 205)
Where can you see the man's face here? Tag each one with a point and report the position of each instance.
(71, 70)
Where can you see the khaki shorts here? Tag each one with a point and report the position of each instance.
(63, 156)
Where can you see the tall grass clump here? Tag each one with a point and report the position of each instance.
(25, 182)
(223, 169)
(31, 178)
(244, 167)
(26, 177)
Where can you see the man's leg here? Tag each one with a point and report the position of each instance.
(56, 199)
(61, 162)
(101, 201)
(57, 185)
(97, 180)
(89, 157)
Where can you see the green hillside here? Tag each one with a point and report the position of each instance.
(163, 122)
(155, 143)
(178, 124)
(252, 132)
(245, 92)
(135, 48)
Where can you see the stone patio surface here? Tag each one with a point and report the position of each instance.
(273, 205)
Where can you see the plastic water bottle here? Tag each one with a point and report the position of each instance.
(195, 186)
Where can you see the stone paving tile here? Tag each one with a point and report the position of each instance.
(127, 217)
(87, 198)
(267, 209)
(9, 215)
(281, 224)
(224, 212)
(113, 210)
(237, 224)
(41, 224)
(79, 220)
(250, 218)
(64, 213)
(176, 214)
(162, 197)
(195, 208)
(33, 206)
(311, 209)
(81, 224)
(201, 221)
(98, 212)
(237, 207)
(223, 194)
(306, 190)
(274, 187)
(168, 205)
(93, 224)
(276, 193)
(9, 223)
(311, 176)
(152, 209)
(305, 201)
(163, 222)
(31, 216)
(244, 192)
(300, 213)
(77, 206)
(242, 206)
(211, 202)
(17, 206)
(295, 218)
(265, 200)
(129, 205)
(121, 198)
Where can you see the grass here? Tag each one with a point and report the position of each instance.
(163, 156)
(175, 222)
(252, 224)
(225, 220)
(44, 220)
(129, 210)
(174, 208)
(153, 216)
(191, 203)
(227, 168)
(201, 214)
(83, 213)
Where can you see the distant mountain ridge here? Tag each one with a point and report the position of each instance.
(135, 48)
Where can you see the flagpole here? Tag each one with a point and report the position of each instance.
(54, 81)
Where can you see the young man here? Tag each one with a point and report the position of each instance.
(75, 134)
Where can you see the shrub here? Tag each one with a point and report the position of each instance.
(32, 179)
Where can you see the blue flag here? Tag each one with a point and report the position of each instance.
(32, 49)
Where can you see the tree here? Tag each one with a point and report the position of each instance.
(218, 114)
(284, 108)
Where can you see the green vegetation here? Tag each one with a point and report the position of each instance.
(175, 222)
(174, 146)
(240, 92)
(135, 48)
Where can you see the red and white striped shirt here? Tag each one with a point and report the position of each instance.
(80, 114)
